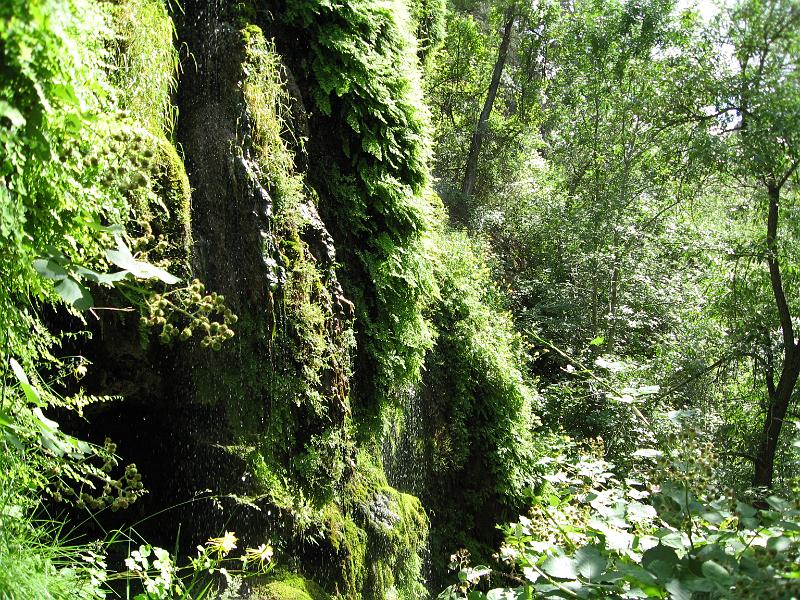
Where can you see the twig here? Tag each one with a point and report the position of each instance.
(554, 582)
(96, 316)
(5, 369)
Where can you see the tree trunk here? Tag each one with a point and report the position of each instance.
(612, 307)
(780, 395)
(480, 129)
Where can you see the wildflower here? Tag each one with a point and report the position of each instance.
(137, 561)
(223, 544)
(163, 562)
(262, 554)
(131, 565)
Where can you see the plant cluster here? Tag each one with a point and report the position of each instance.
(53, 137)
(144, 62)
(663, 533)
(161, 578)
(73, 165)
(476, 429)
(303, 362)
(192, 310)
(365, 88)
(68, 469)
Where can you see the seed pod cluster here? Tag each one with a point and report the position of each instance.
(86, 486)
(123, 161)
(183, 311)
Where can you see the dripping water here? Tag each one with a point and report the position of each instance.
(404, 458)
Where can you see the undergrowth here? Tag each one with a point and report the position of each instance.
(478, 413)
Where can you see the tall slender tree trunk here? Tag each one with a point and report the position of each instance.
(480, 129)
(781, 394)
(611, 336)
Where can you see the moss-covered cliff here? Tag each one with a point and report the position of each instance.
(278, 164)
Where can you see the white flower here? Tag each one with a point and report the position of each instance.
(223, 544)
(131, 564)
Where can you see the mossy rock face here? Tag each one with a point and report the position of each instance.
(376, 539)
(397, 529)
(348, 569)
(289, 587)
(172, 187)
(161, 211)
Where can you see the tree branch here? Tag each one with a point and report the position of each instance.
(773, 193)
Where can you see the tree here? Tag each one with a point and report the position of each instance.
(497, 72)
(484, 88)
(759, 105)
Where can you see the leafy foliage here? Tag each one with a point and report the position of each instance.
(38, 457)
(472, 437)
(54, 155)
(145, 62)
(160, 577)
(591, 535)
(365, 86)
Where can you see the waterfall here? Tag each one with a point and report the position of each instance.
(405, 458)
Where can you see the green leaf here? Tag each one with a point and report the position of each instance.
(699, 584)
(449, 593)
(31, 393)
(678, 591)
(6, 421)
(590, 563)
(660, 561)
(105, 278)
(49, 268)
(778, 504)
(635, 574)
(123, 258)
(13, 440)
(598, 341)
(473, 574)
(560, 567)
(638, 512)
(674, 540)
(19, 373)
(74, 293)
(48, 424)
(714, 570)
(531, 574)
(648, 390)
(779, 543)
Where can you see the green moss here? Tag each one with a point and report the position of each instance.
(478, 415)
(307, 342)
(379, 539)
(286, 399)
(171, 207)
(145, 62)
(349, 544)
(160, 219)
(267, 104)
(289, 587)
